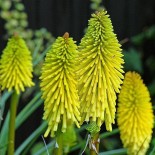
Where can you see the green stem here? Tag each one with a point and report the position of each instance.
(95, 142)
(13, 109)
(59, 150)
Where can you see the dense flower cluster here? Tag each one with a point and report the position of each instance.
(135, 115)
(16, 66)
(100, 71)
(59, 85)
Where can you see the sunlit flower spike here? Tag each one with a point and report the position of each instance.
(135, 115)
(59, 85)
(100, 71)
(16, 66)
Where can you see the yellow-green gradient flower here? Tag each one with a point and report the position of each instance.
(135, 115)
(100, 71)
(58, 84)
(16, 66)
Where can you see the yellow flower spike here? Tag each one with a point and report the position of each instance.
(100, 71)
(16, 66)
(135, 115)
(59, 85)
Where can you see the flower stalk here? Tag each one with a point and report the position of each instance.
(95, 141)
(59, 148)
(13, 110)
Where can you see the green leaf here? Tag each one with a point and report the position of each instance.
(69, 138)
(4, 129)
(37, 147)
(132, 60)
(138, 39)
(114, 152)
(79, 145)
(41, 57)
(43, 149)
(28, 109)
(3, 99)
(37, 48)
(151, 88)
(107, 134)
(150, 33)
(31, 139)
(21, 117)
(147, 34)
(4, 135)
(152, 151)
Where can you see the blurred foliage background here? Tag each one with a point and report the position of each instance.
(39, 22)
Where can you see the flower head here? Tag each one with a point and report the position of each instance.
(16, 66)
(135, 114)
(58, 84)
(100, 71)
